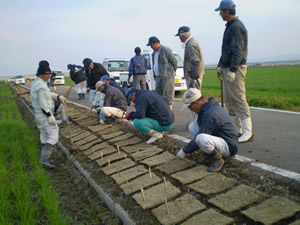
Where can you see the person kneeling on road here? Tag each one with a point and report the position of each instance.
(152, 114)
(214, 131)
(114, 105)
(43, 103)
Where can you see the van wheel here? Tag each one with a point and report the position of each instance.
(125, 86)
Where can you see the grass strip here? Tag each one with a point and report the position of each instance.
(26, 194)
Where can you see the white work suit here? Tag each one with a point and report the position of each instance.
(43, 99)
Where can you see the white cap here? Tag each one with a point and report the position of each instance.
(190, 96)
(98, 84)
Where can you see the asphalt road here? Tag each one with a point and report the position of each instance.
(276, 133)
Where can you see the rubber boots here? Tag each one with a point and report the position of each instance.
(45, 155)
(217, 162)
(238, 125)
(204, 159)
(154, 136)
(247, 130)
(79, 96)
(82, 95)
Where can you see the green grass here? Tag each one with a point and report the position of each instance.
(26, 195)
(5, 91)
(68, 81)
(268, 87)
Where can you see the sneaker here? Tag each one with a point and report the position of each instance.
(155, 137)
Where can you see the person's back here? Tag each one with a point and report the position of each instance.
(150, 104)
(114, 98)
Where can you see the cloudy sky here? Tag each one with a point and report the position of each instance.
(66, 31)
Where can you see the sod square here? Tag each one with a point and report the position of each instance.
(120, 138)
(112, 135)
(104, 151)
(98, 127)
(108, 130)
(138, 147)
(237, 198)
(179, 210)
(158, 159)
(213, 184)
(81, 136)
(129, 174)
(191, 175)
(130, 141)
(112, 157)
(139, 182)
(146, 153)
(273, 210)
(156, 195)
(209, 217)
(118, 166)
(86, 140)
(90, 144)
(96, 148)
(176, 165)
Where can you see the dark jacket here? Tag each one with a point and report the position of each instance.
(214, 120)
(77, 74)
(138, 65)
(234, 47)
(114, 98)
(113, 83)
(151, 105)
(94, 75)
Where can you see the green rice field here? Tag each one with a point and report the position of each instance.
(26, 196)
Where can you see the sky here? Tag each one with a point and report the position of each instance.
(67, 31)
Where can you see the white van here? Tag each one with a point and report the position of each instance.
(116, 67)
(60, 78)
(180, 83)
(18, 79)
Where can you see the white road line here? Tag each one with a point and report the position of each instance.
(252, 162)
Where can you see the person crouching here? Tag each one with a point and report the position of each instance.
(114, 105)
(152, 115)
(214, 131)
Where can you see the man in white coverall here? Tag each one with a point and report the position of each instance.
(43, 103)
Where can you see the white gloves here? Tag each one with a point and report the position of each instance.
(180, 154)
(230, 76)
(220, 70)
(62, 99)
(52, 120)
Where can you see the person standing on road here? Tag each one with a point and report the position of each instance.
(77, 75)
(152, 115)
(114, 105)
(52, 81)
(164, 69)
(214, 132)
(138, 69)
(193, 59)
(232, 66)
(94, 72)
(43, 103)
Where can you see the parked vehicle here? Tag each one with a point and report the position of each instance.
(60, 78)
(18, 79)
(180, 83)
(116, 67)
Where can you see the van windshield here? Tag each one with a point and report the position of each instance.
(58, 73)
(18, 77)
(118, 66)
(179, 60)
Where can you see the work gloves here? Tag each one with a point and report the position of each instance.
(230, 76)
(180, 154)
(52, 120)
(127, 116)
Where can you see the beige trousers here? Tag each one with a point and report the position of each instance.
(235, 93)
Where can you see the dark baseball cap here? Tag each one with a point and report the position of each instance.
(183, 29)
(225, 4)
(152, 40)
(87, 62)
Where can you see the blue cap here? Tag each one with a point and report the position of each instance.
(152, 40)
(183, 29)
(104, 78)
(128, 94)
(226, 4)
